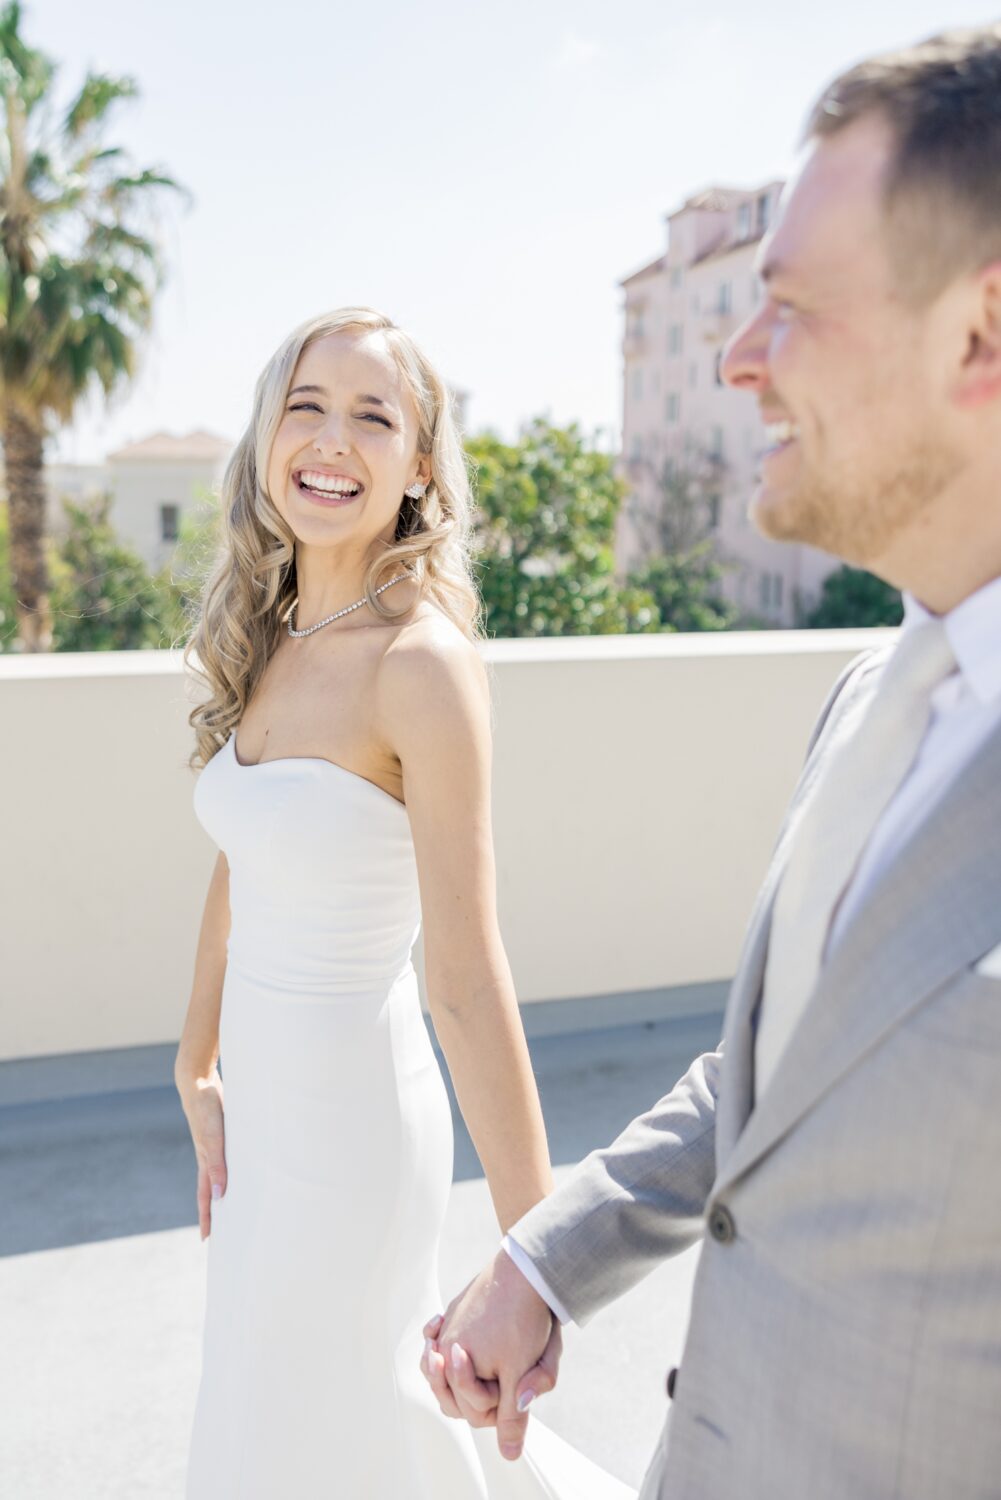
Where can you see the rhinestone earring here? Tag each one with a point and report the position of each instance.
(416, 490)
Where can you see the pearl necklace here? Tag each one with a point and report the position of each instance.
(309, 630)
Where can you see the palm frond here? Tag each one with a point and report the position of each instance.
(80, 259)
(98, 93)
(22, 68)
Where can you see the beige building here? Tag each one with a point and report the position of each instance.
(152, 482)
(679, 311)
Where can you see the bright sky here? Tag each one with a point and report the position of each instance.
(485, 175)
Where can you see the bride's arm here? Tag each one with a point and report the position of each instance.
(433, 711)
(198, 1049)
(196, 1076)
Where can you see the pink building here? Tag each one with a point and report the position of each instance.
(679, 311)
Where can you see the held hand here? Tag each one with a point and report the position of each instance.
(496, 1348)
(202, 1101)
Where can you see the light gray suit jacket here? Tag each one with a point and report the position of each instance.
(845, 1333)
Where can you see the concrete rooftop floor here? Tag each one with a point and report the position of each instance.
(102, 1275)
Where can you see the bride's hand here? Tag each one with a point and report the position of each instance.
(494, 1350)
(202, 1101)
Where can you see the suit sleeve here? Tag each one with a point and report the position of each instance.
(630, 1205)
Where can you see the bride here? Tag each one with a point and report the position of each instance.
(345, 747)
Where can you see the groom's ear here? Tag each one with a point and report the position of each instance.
(978, 380)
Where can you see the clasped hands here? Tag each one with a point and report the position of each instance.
(496, 1347)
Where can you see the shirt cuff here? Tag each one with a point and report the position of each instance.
(534, 1277)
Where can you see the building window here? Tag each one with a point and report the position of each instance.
(717, 366)
(636, 452)
(673, 407)
(743, 221)
(724, 297)
(638, 383)
(714, 509)
(676, 279)
(675, 335)
(693, 375)
(170, 516)
(771, 592)
(716, 443)
(762, 213)
(755, 289)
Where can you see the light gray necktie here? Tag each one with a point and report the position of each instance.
(872, 749)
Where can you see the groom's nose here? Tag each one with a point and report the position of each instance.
(744, 361)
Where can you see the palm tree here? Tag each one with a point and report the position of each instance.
(79, 267)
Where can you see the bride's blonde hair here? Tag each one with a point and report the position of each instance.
(252, 584)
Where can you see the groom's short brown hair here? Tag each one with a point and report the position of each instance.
(942, 196)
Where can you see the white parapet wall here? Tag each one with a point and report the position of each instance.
(639, 782)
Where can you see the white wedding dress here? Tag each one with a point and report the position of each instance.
(322, 1262)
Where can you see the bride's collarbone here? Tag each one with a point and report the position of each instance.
(275, 728)
(342, 671)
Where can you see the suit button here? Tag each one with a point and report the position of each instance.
(672, 1380)
(721, 1225)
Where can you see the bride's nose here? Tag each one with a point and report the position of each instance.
(332, 436)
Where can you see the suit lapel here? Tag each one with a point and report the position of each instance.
(737, 1073)
(931, 914)
(736, 1092)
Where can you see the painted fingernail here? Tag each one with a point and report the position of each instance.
(428, 1346)
(525, 1400)
(217, 1189)
(510, 1450)
(456, 1357)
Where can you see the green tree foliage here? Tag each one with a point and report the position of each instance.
(104, 598)
(8, 619)
(546, 509)
(685, 588)
(853, 597)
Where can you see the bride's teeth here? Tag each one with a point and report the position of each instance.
(327, 484)
(778, 433)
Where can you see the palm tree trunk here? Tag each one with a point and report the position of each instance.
(22, 445)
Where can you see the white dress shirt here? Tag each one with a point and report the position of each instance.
(965, 708)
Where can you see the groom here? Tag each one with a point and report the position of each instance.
(841, 1152)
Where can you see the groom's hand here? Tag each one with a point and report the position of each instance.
(508, 1351)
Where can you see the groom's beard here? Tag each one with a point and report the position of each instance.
(856, 516)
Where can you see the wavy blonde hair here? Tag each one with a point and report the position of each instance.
(251, 587)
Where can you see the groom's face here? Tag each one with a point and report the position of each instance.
(851, 379)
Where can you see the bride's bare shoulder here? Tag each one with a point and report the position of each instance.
(430, 659)
(430, 631)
